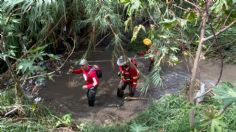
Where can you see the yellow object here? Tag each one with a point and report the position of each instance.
(186, 53)
(147, 41)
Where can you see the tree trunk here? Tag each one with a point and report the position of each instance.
(93, 37)
(195, 66)
(196, 60)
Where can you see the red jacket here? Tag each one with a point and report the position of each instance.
(89, 75)
(129, 75)
(143, 53)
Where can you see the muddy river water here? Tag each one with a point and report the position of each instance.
(65, 94)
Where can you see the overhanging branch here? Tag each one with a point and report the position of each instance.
(221, 31)
(196, 6)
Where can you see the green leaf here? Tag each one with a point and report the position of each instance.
(127, 23)
(66, 120)
(135, 4)
(40, 48)
(175, 49)
(167, 23)
(138, 128)
(136, 31)
(212, 120)
(217, 125)
(11, 53)
(25, 65)
(51, 78)
(219, 6)
(3, 56)
(55, 57)
(164, 50)
(124, 1)
(173, 60)
(40, 79)
(164, 36)
(182, 22)
(226, 92)
(191, 16)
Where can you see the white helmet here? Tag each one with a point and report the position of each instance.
(122, 61)
(83, 62)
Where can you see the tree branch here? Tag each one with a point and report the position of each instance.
(225, 107)
(222, 30)
(196, 60)
(196, 6)
(180, 7)
(209, 90)
(216, 43)
(11, 112)
(102, 39)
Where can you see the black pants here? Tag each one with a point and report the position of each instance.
(150, 66)
(91, 95)
(121, 88)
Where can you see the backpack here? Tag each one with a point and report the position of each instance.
(97, 69)
(134, 61)
(135, 64)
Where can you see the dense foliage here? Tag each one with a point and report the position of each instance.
(30, 29)
(35, 31)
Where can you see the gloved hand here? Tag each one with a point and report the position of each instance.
(127, 78)
(119, 74)
(141, 53)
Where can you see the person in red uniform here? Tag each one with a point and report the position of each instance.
(148, 50)
(129, 76)
(91, 79)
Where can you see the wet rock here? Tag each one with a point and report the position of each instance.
(37, 100)
(108, 122)
(200, 92)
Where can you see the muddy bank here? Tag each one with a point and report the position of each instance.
(65, 94)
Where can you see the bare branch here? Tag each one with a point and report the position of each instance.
(216, 43)
(225, 107)
(180, 7)
(102, 39)
(209, 90)
(134, 98)
(196, 6)
(221, 31)
(228, 17)
(11, 111)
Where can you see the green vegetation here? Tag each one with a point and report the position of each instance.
(28, 117)
(169, 113)
(35, 31)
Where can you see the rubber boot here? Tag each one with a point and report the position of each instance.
(120, 93)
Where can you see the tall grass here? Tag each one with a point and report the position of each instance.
(170, 113)
(36, 117)
(7, 97)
